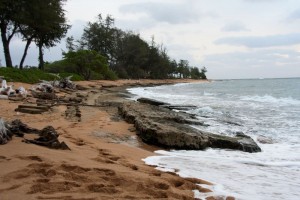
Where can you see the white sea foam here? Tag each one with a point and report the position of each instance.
(240, 106)
(243, 175)
(271, 99)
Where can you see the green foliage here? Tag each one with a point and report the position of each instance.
(128, 54)
(100, 36)
(31, 75)
(88, 64)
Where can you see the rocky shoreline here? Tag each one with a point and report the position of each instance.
(91, 123)
(165, 128)
(157, 124)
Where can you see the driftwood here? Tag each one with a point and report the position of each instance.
(5, 135)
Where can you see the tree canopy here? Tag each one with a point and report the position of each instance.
(103, 51)
(129, 55)
(41, 21)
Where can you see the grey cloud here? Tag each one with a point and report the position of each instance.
(294, 15)
(260, 63)
(262, 41)
(260, 1)
(234, 27)
(172, 13)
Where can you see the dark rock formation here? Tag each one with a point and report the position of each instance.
(162, 127)
(47, 136)
(44, 95)
(151, 102)
(18, 128)
(32, 109)
(180, 107)
(73, 113)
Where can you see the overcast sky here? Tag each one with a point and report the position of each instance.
(232, 38)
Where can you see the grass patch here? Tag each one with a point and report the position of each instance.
(32, 75)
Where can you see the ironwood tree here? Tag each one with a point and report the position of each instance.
(39, 21)
(8, 25)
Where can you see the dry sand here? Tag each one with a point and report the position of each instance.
(104, 161)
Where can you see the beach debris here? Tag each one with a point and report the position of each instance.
(43, 95)
(49, 86)
(7, 92)
(5, 97)
(47, 136)
(66, 83)
(43, 90)
(6, 89)
(46, 89)
(5, 135)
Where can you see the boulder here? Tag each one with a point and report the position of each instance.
(165, 128)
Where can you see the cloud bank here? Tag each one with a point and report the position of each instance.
(172, 13)
(262, 41)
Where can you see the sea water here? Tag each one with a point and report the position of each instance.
(268, 110)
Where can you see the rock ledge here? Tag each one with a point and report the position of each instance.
(165, 128)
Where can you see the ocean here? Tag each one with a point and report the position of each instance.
(268, 110)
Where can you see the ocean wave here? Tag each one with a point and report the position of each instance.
(205, 110)
(271, 99)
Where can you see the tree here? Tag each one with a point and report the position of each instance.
(203, 71)
(44, 22)
(51, 27)
(182, 68)
(131, 55)
(89, 63)
(100, 36)
(70, 44)
(195, 73)
(128, 54)
(41, 21)
(8, 27)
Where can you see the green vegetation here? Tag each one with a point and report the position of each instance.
(33, 75)
(103, 51)
(88, 64)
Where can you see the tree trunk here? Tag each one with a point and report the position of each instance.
(5, 43)
(25, 52)
(41, 57)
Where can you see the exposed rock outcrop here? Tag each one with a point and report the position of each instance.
(151, 102)
(162, 127)
(47, 136)
(32, 109)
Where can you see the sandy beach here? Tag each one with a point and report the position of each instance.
(105, 160)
